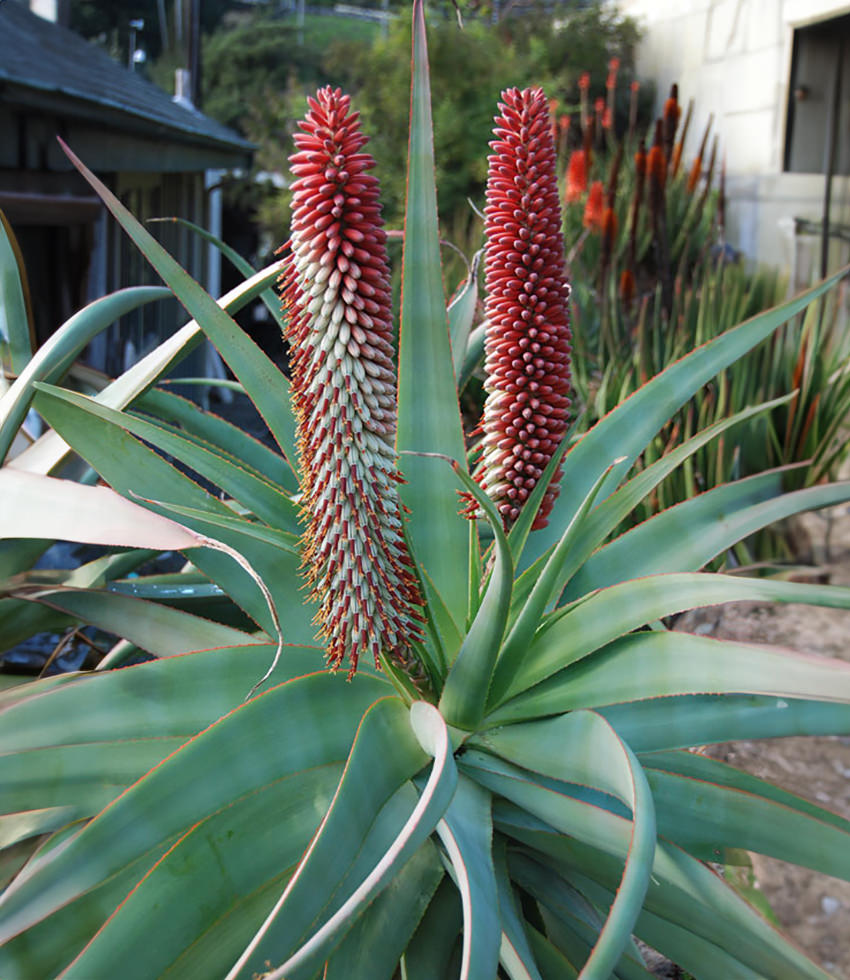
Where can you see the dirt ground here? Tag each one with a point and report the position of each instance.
(814, 909)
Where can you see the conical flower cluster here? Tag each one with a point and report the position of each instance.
(336, 294)
(527, 342)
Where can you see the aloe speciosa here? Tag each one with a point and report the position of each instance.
(503, 787)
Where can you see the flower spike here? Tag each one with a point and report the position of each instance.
(336, 294)
(526, 308)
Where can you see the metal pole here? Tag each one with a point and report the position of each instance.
(193, 51)
(829, 157)
(163, 25)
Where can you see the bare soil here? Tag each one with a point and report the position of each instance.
(813, 909)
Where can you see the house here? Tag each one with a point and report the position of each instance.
(158, 154)
(775, 75)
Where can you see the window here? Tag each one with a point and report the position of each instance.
(821, 57)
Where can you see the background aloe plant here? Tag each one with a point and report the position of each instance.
(531, 813)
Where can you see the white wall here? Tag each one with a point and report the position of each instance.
(733, 57)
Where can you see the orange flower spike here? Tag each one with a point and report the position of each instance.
(656, 160)
(634, 89)
(609, 235)
(576, 176)
(583, 90)
(613, 68)
(627, 287)
(680, 143)
(671, 115)
(694, 175)
(595, 207)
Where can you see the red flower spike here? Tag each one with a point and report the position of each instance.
(576, 176)
(594, 209)
(336, 294)
(526, 310)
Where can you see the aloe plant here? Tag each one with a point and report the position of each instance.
(510, 792)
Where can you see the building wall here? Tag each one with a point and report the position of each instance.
(733, 57)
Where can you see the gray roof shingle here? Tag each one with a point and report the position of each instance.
(38, 54)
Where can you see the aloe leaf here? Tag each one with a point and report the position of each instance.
(243, 528)
(429, 952)
(134, 469)
(664, 664)
(700, 957)
(87, 777)
(153, 709)
(518, 534)
(681, 890)
(242, 265)
(371, 776)
(568, 636)
(159, 630)
(608, 764)
(287, 717)
(47, 948)
(626, 430)
(50, 449)
(465, 692)
(43, 507)
(515, 954)
(512, 664)
(15, 331)
(461, 312)
(55, 356)
(15, 827)
(615, 508)
(177, 697)
(466, 832)
(553, 964)
(428, 413)
(686, 536)
(211, 431)
(212, 872)
(257, 494)
(432, 736)
(572, 922)
(268, 296)
(728, 809)
(472, 358)
(376, 942)
(263, 381)
(679, 722)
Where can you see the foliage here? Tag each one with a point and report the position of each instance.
(260, 58)
(522, 807)
(687, 288)
(527, 50)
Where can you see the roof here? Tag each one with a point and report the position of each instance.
(39, 55)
